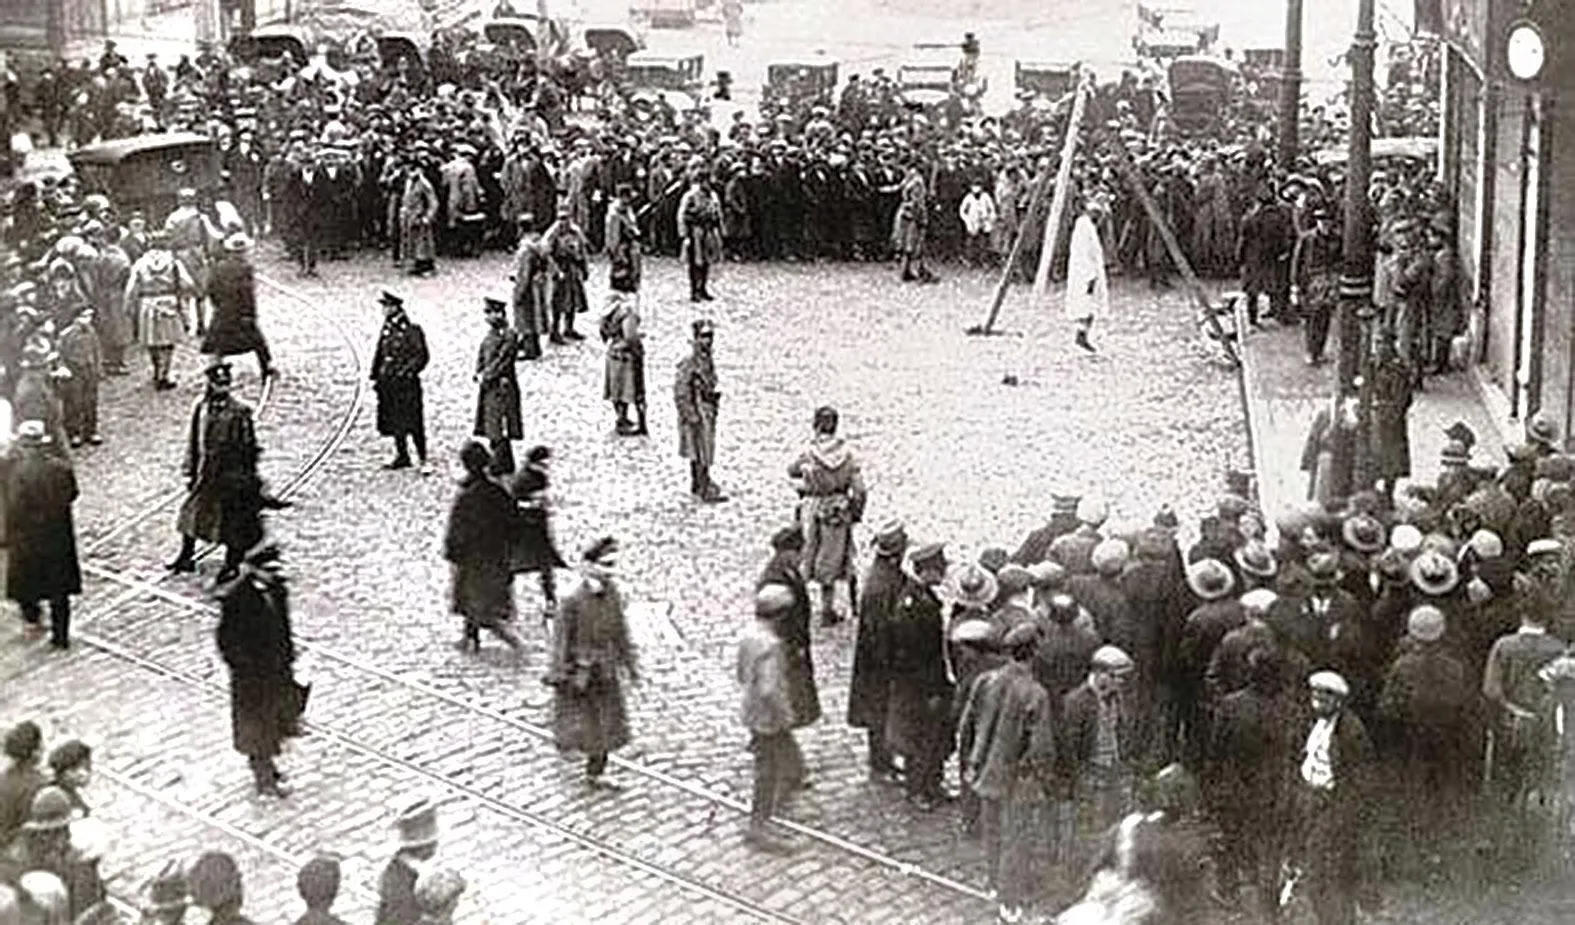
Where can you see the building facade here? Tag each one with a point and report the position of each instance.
(1507, 152)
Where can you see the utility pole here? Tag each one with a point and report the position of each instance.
(1356, 272)
(1291, 87)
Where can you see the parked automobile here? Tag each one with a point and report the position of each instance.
(1049, 80)
(1201, 91)
(267, 43)
(813, 82)
(146, 171)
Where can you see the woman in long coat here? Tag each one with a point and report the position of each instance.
(624, 382)
(478, 546)
(257, 645)
(418, 207)
(233, 292)
(534, 549)
(591, 655)
(39, 491)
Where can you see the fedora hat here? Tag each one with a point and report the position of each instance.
(417, 824)
(33, 432)
(891, 540)
(1255, 559)
(1434, 573)
(970, 585)
(1210, 580)
(1363, 533)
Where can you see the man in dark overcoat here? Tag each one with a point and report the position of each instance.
(417, 824)
(867, 690)
(479, 546)
(397, 363)
(1264, 255)
(224, 496)
(498, 389)
(258, 647)
(1063, 520)
(40, 488)
(534, 548)
(918, 712)
(1330, 792)
(233, 291)
(568, 252)
(787, 546)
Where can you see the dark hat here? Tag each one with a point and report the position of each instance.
(23, 740)
(1166, 518)
(215, 881)
(318, 881)
(50, 810)
(219, 373)
(702, 327)
(929, 554)
(168, 890)
(389, 299)
(69, 755)
(789, 538)
(1461, 432)
(600, 549)
(891, 539)
(994, 559)
(1363, 533)
(1022, 635)
(1255, 559)
(1210, 580)
(1013, 579)
(263, 553)
(494, 306)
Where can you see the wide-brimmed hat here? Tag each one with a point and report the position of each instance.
(929, 554)
(1433, 573)
(1210, 580)
(1254, 558)
(969, 585)
(50, 810)
(891, 539)
(1363, 533)
(417, 824)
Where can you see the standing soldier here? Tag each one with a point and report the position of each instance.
(397, 364)
(154, 290)
(221, 478)
(81, 355)
(907, 233)
(832, 490)
(498, 389)
(418, 206)
(867, 691)
(700, 230)
(190, 236)
(918, 713)
(418, 841)
(478, 545)
(568, 250)
(40, 489)
(591, 654)
(234, 293)
(624, 382)
(623, 242)
(258, 647)
(696, 396)
(110, 269)
(768, 713)
(534, 549)
(532, 293)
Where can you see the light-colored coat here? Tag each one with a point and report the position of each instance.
(1087, 287)
(977, 212)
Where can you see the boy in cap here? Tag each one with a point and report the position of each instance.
(767, 712)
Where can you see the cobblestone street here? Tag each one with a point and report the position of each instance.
(947, 447)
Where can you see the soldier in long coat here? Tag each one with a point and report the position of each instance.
(397, 363)
(191, 234)
(908, 228)
(40, 489)
(787, 545)
(154, 290)
(224, 496)
(234, 294)
(832, 496)
(256, 642)
(700, 234)
(696, 397)
(110, 269)
(592, 655)
(624, 381)
(868, 687)
(461, 198)
(623, 242)
(918, 713)
(418, 208)
(569, 252)
(498, 389)
(532, 294)
(479, 548)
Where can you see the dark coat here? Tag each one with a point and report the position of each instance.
(396, 894)
(1248, 752)
(39, 491)
(793, 629)
(590, 649)
(1062, 659)
(221, 475)
(257, 645)
(1329, 827)
(1107, 603)
(1265, 250)
(1079, 719)
(481, 532)
(1006, 733)
(397, 364)
(867, 691)
(498, 396)
(534, 549)
(1037, 545)
(918, 712)
(1426, 704)
(18, 786)
(233, 328)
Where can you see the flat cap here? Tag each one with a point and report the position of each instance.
(1110, 658)
(1330, 682)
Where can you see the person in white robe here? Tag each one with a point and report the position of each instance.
(1087, 286)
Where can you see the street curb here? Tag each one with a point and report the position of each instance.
(1497, 406)
(1247, 371)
